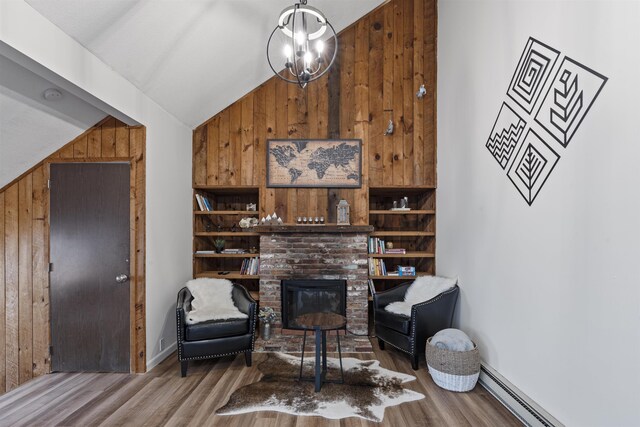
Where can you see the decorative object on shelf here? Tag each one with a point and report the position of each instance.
(248, 222)
(219, 245)
(322, 220)
(389, 245)
(271, 220)
(303, 46)
(251, 207)
(402, 205)
(318, 163)
(299, 220)
(267, 316)
(342, 213)
(253, 250)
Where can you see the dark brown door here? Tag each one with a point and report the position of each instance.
(89, 214)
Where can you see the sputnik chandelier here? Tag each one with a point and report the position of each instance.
(303, 46)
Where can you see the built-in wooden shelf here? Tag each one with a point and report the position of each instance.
(407, 255)
(225, 213)
(225, 234)
(231, 275)
(407, 278)
(400, 190)
(402, 233)
(234, 189)
(247, 255)
(411, 212)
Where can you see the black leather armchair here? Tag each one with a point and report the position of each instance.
(409, 334)
(217, 337)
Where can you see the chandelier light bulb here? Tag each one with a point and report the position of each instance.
(307, 59)
(300, 37)
(287, 52)
(319, 47)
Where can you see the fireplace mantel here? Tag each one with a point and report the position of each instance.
(320, 229)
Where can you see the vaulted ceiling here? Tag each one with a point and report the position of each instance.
(193, 57)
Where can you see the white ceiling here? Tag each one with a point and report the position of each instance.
(31, 128)
(193, 57)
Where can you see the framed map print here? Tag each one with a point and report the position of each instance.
(331, 163)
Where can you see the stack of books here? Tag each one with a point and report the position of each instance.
(203, 203)
(205, 252)
(250, 266)
(234, 251)
(377, 267)
(406, 271)
(396, 251)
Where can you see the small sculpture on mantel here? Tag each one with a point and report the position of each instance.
(271, 220)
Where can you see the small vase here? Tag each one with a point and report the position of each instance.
(265, 330)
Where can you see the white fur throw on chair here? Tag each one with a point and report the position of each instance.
(212, 300)
(422, 289)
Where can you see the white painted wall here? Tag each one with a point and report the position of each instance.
(550, 292)
(168, 157)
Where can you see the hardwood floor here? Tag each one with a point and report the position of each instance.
(162, 398)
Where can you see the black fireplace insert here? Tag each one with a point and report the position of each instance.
(311, 296)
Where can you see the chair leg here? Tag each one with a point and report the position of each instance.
(381, 344)
(414, 361)
(183, 368)
(247, 358)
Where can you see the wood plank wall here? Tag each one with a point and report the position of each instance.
(382, 61)
(24, 252)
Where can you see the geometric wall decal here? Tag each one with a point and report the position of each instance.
(505, 135)
(532, 166)
(553, 94)
(534, 68)
(569, 99)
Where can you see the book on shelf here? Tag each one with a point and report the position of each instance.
(372, 287)
(377, 267)
(205, 252)
(234, 251)
(396, 251)
(250, 266)
(376, 246)
(203, 203)
(200, 202)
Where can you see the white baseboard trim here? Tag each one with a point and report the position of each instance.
(528, 411)
(158, 358)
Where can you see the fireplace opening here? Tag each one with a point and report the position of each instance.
(312, 296)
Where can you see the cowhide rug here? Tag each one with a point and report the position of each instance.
(367, 391)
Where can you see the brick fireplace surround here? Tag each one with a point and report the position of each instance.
(315, 252)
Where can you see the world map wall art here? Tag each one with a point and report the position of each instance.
(314, 163)
(547, 101)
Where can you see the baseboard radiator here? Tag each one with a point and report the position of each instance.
(529, 412)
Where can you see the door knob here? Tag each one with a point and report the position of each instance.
(121, 278)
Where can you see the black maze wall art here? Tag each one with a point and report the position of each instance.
(546, 102)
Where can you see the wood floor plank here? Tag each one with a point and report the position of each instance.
(162, 397)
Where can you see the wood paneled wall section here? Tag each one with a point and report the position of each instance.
(24, 252)
(382, 61)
